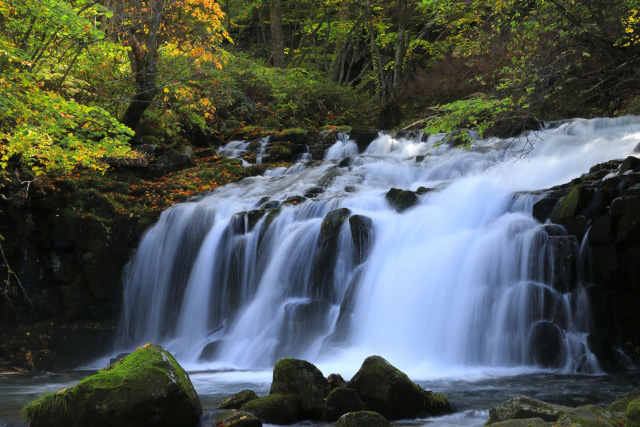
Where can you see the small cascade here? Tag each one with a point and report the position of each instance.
(343, 147)
(315, 262)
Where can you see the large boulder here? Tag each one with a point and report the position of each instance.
(340, 401)
(146, 388)
(279, 408)
(362, 419)
(303, 380)
(389, 391)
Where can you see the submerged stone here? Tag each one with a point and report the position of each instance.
(146, 388)
(401, 200)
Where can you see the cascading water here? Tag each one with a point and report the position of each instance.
(316, 264)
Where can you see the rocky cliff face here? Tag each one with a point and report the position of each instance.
(602, 209)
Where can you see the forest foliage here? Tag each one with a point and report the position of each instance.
(79, 77)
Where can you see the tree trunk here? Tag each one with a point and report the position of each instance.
(277, 36)
(337, 63)
(144, 65)
(398, 63)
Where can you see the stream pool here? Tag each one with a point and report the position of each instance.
(473, 396)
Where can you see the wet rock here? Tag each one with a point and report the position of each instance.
(361, 419)
(148, 387)
(303, 322)
(389, 391)
(244, 222)
(344, 162)
(629, 164)
(341, 401)
(401, 200)
(279, 408)
(335, 381)
(209, 350)
(239, 399)
(522, 410)
(543, 208)
(424, 190)
(118, 358)
(303, 380)
(327, 252)
(294, 200)
(231, 417)
(363, 138)
(523, 407)
(313, 192)
(362, 235)
(546, 345)
(512, 127)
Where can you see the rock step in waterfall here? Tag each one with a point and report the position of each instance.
(426, 254)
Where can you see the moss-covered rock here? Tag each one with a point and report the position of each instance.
(633, 413)
(279, 408)
(231, 417)
(389, 391)
(361, 419)
(304, 381)
(237, 400)
(401, 200)
(526, 411)
(146, 388)
(522, 407)
(621, 404)
(341, 401)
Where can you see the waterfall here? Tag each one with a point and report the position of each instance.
(314, 262)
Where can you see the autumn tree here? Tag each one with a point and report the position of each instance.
(182, 28)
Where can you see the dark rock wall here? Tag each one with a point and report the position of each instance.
(603, 207)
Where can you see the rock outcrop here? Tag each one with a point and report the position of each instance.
(603, 206)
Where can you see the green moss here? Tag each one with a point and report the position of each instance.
(633, 413)
(279, 408)
(621, 404)
(568, 206)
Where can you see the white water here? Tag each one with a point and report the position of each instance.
(453, 286)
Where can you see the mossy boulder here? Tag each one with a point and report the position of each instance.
(401, 200)
(361, 419)
(633, 413)
(232, 417)
(237, 400)
(146, 388)
(621, 404)
(340, 401)
(389, 391)
(279, 408)
(304, 381)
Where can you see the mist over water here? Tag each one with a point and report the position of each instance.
(463, 283)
